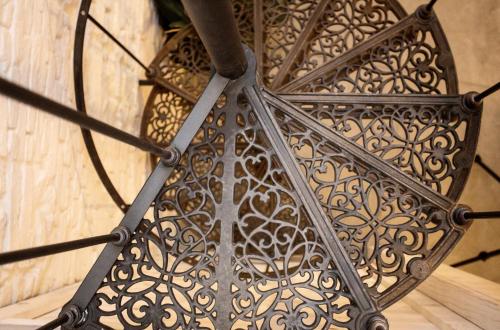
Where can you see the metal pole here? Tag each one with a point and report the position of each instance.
(45, 104)
(482, 256)
(41, 251)
(480, 97)
(485, 167)
(482, 215)
(215, 23)
(430, 5)
(55, 323)
(116, 41)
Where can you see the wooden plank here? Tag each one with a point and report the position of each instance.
(439, 315)
(50, 316)
(449, 299)
(402, 317)
(472, 297)
(40, 305)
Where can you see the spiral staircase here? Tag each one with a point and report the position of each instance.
(311, 190)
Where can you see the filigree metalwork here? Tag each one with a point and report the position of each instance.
(247, 233)
(243, 12)
(431, 139)
(389, 232)
(343, 25)
(230, 245)
(282, 25)
(184, 62)
(166, 277)
(283, 275)
(414, 60)
(166, 112)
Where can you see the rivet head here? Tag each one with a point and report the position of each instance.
(377, 322)
(173, 159)
(424, 14)
(151, 72)
(458, 215)
(124, 234)
(419, 269)
(74, 314)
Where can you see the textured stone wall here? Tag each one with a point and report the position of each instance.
(49, 191)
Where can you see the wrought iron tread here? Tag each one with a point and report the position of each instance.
(395, 229)
(337, 27)
(231, 243)
(272, 29)
(412, 56)
(431, 138)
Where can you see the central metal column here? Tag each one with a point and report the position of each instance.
(215, 23)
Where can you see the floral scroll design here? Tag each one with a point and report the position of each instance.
(411, 62)
(284, 277)
(382, 225)
(165, 278)
(427, 142)
(344, 24)
(164, 115)
(283, 23)
(186, 65)
(243, 12)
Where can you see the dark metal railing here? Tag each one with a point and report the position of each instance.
(481, 96)
(478, 160)
(55, 323)
(482, 256)
(41, 251)
(430, 5)
(45, 104)
(481, 215)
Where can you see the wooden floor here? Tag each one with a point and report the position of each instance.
(449, 299)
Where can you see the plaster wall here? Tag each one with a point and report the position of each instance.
(49, 191)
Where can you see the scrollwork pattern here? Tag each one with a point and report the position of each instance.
(284, 20)
(280, 274)
(165, 278)
(284, 277)
(344, 24)
(425, 141)
(382, 225)
(243, 12)
(187, 64)
(165, 113)
(412, 62)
